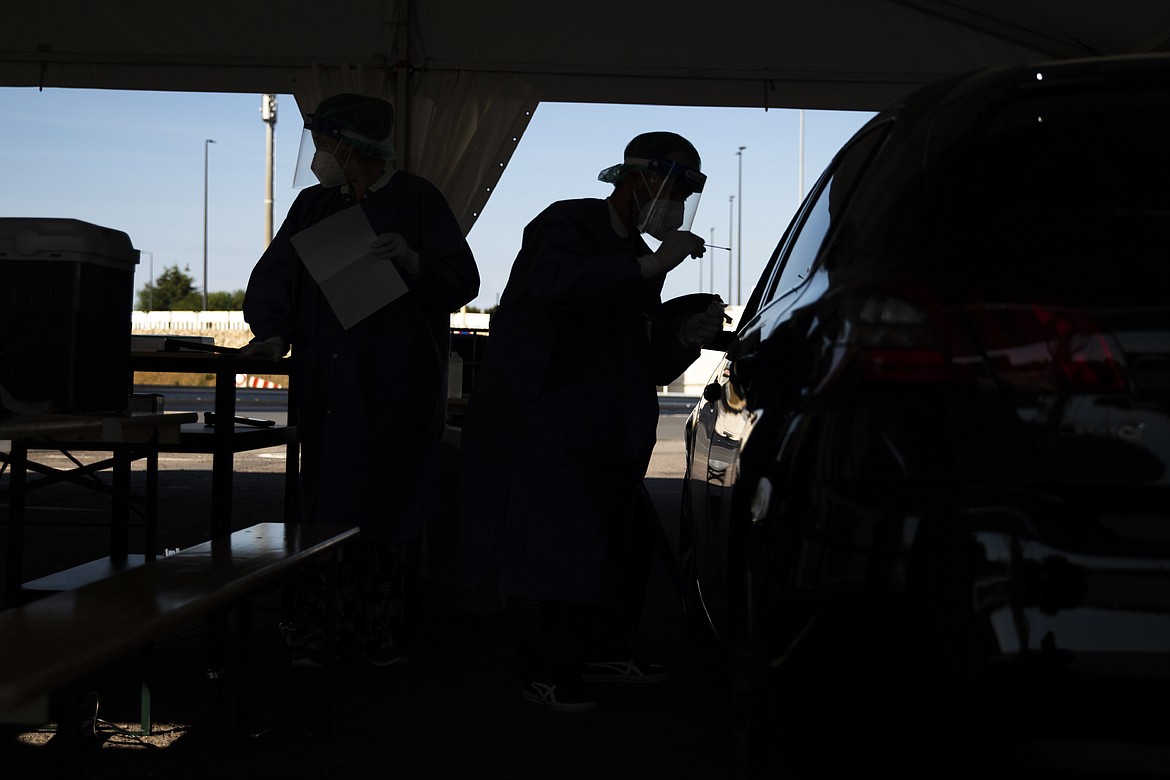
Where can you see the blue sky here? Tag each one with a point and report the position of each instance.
(134, 161)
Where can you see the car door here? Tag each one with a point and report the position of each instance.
(719, 424)
(713, 432)
(771, 357)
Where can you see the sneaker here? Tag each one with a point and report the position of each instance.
(560, 698)
(307, 654)
(631, 670)
(386, 655)
(307, 658)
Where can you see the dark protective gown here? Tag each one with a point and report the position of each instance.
(562, 418)
(371, 400)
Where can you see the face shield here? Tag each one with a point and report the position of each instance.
(350, 142)
(668, 195)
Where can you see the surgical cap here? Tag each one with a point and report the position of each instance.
(362, 122)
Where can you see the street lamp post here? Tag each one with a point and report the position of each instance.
(800, 162)
(739, 229)
(730, 228)
(206, 143)
(150, 296)
(711, 264)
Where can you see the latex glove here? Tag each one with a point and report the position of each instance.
(272, 347)
(393, 247)
(677, 247)
(701, 329)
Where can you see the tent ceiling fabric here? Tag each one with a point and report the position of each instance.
(838, 54)
(465, 75)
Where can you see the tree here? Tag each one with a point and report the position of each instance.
(226, 301)
(173, 290)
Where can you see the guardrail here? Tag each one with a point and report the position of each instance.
(234, 320)
(690, 384)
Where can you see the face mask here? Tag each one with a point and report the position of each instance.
(327, 170)
(660, 217)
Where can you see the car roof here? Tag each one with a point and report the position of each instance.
(989, 83)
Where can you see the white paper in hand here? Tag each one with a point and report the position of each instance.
(336, 251)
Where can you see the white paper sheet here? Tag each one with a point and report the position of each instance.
(337, 253)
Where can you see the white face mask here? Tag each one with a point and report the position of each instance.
(660, 217)
(327, 170)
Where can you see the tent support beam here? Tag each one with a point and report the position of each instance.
(401, 65)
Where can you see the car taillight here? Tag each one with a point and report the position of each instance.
(1046, 349)
(899, 340)
(912, 337)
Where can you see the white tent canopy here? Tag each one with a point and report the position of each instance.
(465, 75)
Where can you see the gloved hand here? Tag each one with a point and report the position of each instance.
(700, 329)
(677, 247)
(391, 246)
(272, 347)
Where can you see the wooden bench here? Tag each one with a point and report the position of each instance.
(128, 437)
(48, 644)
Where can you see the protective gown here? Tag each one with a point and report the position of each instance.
(562, 418)
(371, 400)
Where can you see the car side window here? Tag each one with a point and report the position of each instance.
(804, 248)
(820, 216)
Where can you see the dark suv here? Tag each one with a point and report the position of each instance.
(927, 504)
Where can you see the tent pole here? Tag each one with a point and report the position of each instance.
(402, 88)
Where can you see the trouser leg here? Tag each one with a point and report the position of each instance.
(564, 631)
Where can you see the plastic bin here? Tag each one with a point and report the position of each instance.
(66, 297)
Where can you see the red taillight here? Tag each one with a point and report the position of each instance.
(1047, 349)
(899, 340)
(910, 336)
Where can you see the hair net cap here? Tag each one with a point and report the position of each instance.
(660, 152)
(689, 178)
(362, 122)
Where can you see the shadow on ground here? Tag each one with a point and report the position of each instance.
(452, 711)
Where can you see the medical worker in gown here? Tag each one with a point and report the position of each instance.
(561, 422)
(370, 398)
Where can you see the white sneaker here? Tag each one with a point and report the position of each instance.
(561, 698)
(629, 671)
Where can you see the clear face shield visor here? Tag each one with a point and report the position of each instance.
(669, 196)
(304, 176)
(341, 142)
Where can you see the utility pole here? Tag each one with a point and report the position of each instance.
(268, 115)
